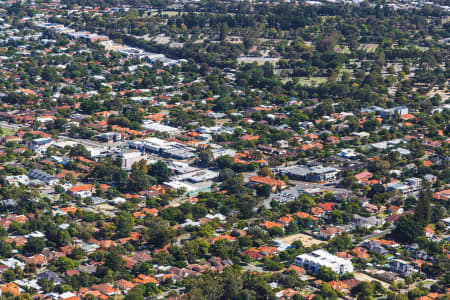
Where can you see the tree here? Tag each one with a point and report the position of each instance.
(292, 227)
(234, 185)
(409, 280)
(139, 181)
(9, 275)
(247, 205)
(64, 264)
(417, 148)
(124, 223)
(422, 214)
(225, 161)
(24, 297)
(272, 265)
(376, 189)
(380, 166)
(363, 291)
(256, 283)
(195, 249)
(136, 293)
(340, 243)
(263, 190)
(223, 31)
(114, 261)
(225, 174)
(35, 245)
(326, 274)
(79, 150)
(158, 232)
(46, 285)
(206, 157)
(328, 42)
(5, 249)
(327, 292)
(265, 172)
(160, 171)
(407, 230)
(50, 74)
(232, 282)
(78, 253)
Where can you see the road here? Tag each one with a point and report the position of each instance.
(377, 234)
(253, 268)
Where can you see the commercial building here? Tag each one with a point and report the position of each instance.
(163, 148)
(158, 127)
(410, 186)
(320, 258)
(40, 144)
(316, 173)
(109, 137)
(200, 175)
(129, 158)
(222, 152)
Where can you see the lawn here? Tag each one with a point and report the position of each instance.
(369, 47)
(342, 49)
(7, 131)
(312, 81)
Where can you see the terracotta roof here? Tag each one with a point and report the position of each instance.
(125, 284)
(442, 195)
(297, 269)
(361, 252)
(286, 219)
(267, 180)
(143, 279)
(317, 211)
(330, 230)
(338, 285)
(269, 224)
(327, 206)
(303, 215)
(222, 237)
(363, 175)
(10, 288)
(81, 188)
(105, 289)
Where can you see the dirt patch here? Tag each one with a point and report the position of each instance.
(365, 277)
(306, 240)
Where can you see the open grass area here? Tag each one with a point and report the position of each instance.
(169, 13)
(312, 81)
(342, 49)
(7, 131)
(365, 277)
(420, 48)
(369, 47)
(257, 60)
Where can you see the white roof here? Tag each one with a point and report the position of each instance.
(12, 263)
